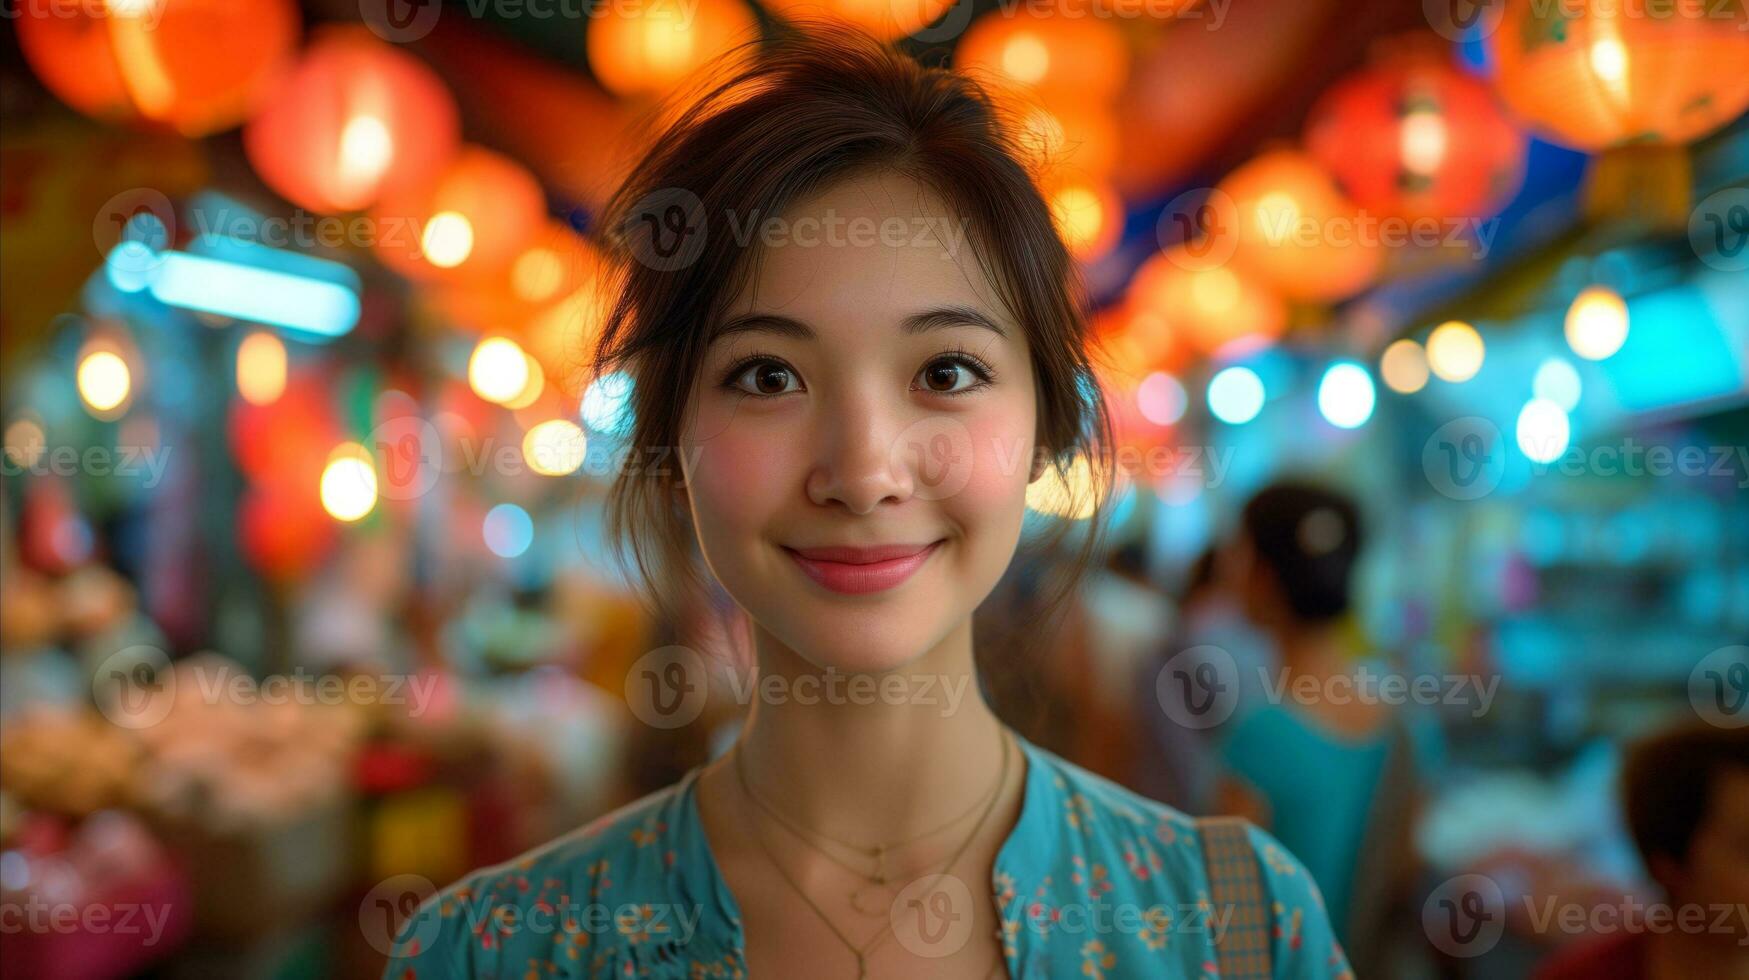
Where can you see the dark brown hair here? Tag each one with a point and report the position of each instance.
(1668, 780)
(816, 106)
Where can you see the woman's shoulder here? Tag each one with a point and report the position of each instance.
(1110, 845)
(586, 897)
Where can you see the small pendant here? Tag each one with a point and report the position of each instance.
(875, 899)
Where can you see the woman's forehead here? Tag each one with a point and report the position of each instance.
(863, 252)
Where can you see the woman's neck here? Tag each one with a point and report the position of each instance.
(871, 757)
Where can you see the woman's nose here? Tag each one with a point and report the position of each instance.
(857, 465)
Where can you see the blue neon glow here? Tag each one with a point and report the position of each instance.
(1678, 352)
(606, 401)
(1235, 395)
(195, 282)
(1346, 395)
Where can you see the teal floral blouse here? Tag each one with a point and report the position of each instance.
(1094, 881)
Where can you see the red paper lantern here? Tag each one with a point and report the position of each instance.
(282, 529)
(1413, 137)
(1289, 225)
(353, 116)
(470, 222)
(194, 65)
(1595, 75)
(288, 438)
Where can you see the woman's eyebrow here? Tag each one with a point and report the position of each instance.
(932, 319)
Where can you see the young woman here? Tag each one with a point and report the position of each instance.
(845, 306)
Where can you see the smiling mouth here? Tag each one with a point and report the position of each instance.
(859, 571)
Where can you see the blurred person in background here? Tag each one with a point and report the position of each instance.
(1335, 774)
(1686, 795)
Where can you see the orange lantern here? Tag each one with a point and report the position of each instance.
(1595, 75)
(887, 20)
(1158, 9)
(1088, 213)
(1295, 230)
(1413, 137)
(354, 115)
(1071, 60)
(194, 65)
(470, 222)
(1208, 306)
(650, 49)
(1078, 135)
(551, 265)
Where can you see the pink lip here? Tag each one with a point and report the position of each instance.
(858, 571)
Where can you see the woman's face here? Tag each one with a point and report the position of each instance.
(861, 433)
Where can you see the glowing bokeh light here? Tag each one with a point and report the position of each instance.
(104, 381)
(498, 370)
(556, 447)
(1558, 381)
(349, 483)
(1455, 351)
(1404, 367)
(1543, 430)
(261, 368)
(1161, 398)
(508, 530)
(1235, 395)
(1346, 395)
(448, 239)
(605, 403)
(1597, 323)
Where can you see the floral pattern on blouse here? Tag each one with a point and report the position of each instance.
(1094, 881)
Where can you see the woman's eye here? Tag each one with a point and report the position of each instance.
(767, 378)
(949, 375)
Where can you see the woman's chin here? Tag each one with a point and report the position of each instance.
(845, 646)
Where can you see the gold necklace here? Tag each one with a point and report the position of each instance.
(861, 952)
(875, 897)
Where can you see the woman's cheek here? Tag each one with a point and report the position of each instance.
(1002, 449)
(736, 474)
